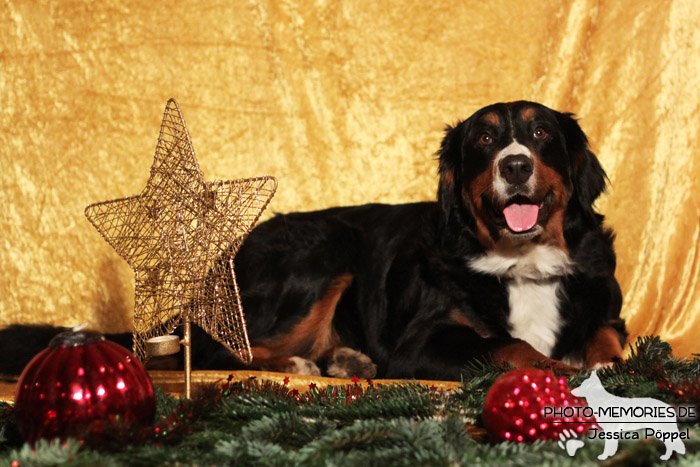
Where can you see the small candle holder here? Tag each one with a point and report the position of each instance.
(160, 346)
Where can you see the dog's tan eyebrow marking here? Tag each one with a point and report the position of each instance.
(492, 118)
(528, 114)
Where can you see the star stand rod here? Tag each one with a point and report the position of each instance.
(187, 344)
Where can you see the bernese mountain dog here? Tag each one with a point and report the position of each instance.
(511, 264)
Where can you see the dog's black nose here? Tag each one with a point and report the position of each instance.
(516, 169)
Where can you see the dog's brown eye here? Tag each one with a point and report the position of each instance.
(485, 139)
(539, 133)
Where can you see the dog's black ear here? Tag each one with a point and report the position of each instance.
(449, 169)
(589, 178)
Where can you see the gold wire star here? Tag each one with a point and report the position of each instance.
(180, 236)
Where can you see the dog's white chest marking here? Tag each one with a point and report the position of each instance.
(533, 277)
(534, 313)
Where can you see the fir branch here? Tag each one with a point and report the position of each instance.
(263, 423)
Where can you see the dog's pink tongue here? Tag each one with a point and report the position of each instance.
(521, 217)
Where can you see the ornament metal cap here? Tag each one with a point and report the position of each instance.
(76, 337)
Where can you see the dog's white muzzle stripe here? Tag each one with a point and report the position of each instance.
(500, 186)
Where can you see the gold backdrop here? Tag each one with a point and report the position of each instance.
(344, 102)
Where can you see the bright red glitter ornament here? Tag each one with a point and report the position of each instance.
(82, 386)
(531, 404)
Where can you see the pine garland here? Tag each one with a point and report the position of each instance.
(264, 423)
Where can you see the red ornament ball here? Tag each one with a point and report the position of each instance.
(530, 404)
(82, 386)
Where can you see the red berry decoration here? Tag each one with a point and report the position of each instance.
(82, 386)
(531, 404)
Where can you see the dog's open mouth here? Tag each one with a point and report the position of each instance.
(521, 215)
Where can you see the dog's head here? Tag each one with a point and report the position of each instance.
(512, 171)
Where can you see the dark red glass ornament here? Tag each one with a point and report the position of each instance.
(531, 404)
(82, 386)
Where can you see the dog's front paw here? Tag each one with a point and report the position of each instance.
(602, 365)
(302, 366)
(559, 368)
(346, 363)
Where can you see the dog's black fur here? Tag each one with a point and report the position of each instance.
(394, 282)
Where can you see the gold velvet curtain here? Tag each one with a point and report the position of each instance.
(345, 103)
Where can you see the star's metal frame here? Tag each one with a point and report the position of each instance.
(180, 236)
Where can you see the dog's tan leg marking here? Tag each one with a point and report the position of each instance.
(603, 349)
(310, 338)
(523, 355)
(461, 319)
